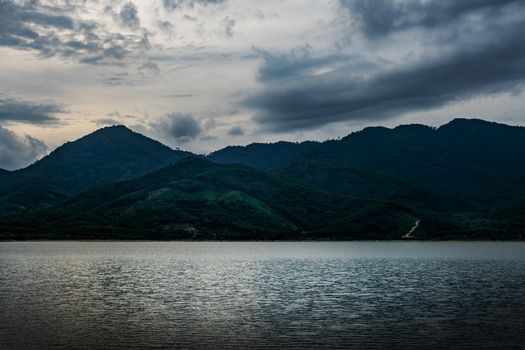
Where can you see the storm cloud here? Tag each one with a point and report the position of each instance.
(491, 61)
(12, 110)
(381, 17)
(181, 127)
(17, 151)
(299, 61)
(58, 30)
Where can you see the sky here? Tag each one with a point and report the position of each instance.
(203, 74)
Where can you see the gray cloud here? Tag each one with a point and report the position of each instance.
(229, 25)
(117, 79)
(172, 5)
(182, 127)
(12, 110)
(16, 151)
(150, 67)
(236, 131)
(55, 30)
(381, 17)
(106, 121)
(129, 16)
(299, 61)
(166, 26)
(481, 60)
(495, 65)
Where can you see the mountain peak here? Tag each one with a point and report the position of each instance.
(106, 155)
(112, 128)
(117, 129)
(468, 122)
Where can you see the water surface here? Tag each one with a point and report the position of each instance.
(315, 295)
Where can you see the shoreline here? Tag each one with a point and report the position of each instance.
(253, 241)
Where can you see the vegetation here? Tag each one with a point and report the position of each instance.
(464, 180)
(198, 199)
(108, 155)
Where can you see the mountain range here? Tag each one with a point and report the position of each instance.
(463, 180)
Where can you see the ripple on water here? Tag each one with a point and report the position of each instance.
(261, 295)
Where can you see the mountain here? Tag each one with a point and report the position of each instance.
(198, 199)
(469, 171)
(463, 180)
(4, 176)
(105, 156)
(263, 156)
(470, 160)
(473, 160)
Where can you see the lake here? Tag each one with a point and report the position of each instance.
(359, 295)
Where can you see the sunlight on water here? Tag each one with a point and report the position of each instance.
(262, 295)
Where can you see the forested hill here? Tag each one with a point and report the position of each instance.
(472, 160)
(463, 180)
(105, 156)
(199, 199)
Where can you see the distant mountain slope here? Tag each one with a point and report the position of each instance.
(105, 156)
(465, 179)
(340, 178)
(4, 175)
(263, 156)
(199, 199)
(470, 160)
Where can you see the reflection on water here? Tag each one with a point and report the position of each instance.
(262, 295)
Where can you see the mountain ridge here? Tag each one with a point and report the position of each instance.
(463, 180)
(104, 156)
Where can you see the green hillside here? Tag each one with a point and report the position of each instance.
(198, 199)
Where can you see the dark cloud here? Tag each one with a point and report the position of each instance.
(236, 131)
(493, 64)
(56, 30)
(298, 62)
(229, 25)
(172, 5)
(182, 127)
(378, 18)
(129, 16)
(18, 151)
(12, 110)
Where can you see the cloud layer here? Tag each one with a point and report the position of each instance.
(59, 30)
(12, 110)
(17, 151)
(485, 60)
